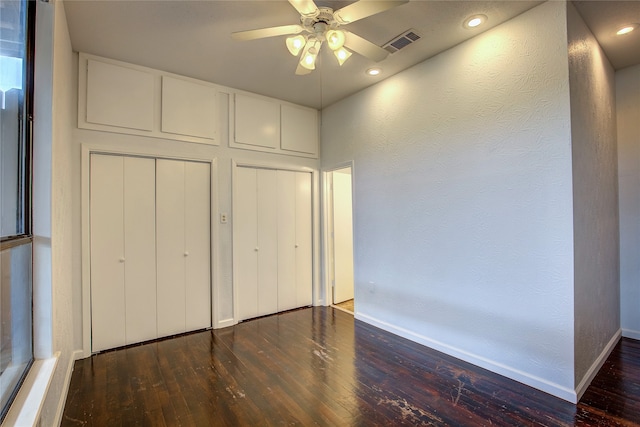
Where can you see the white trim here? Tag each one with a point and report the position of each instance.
(325, 215)
(630, 333)
(25, 410)
(225, 323)
(492, 365)
(153, 152)
(597, 364)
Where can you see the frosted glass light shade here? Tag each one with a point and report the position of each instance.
(310, 53)
(295, 44)
(335, 39)
(342, 55)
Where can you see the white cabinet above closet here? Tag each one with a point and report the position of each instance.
(114, 96)
(265, 124)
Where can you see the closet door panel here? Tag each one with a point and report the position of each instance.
(107, 252)
(197, 247)
(304, 257)
(267, 207)
(245, 211)
(170, 235)
(287, 292)
(140, 248)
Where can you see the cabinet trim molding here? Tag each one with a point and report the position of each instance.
(93, 148)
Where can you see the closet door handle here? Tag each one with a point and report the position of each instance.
(121, 260)
(256, 249)
(297, 245)
(186, 253)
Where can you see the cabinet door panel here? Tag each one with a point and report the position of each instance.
(304, 257)
(198, 232)
(140, 248)
(287, 293)
(170, 232)
(107, 252)
(267, 241)
(245, 220)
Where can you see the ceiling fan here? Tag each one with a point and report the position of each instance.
(320, 24)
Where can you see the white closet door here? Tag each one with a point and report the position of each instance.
(140, 248)
(170, 235)
(197, 245)
(267, 241)
(107, 252)
(245, 238)
(304, 257)
(287, 289)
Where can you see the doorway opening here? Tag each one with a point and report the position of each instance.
(340, 238)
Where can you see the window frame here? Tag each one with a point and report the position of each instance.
(24, 189)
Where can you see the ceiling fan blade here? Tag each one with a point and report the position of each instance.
(365, 47)
(364, 8)
(267, 32)
(304, 7)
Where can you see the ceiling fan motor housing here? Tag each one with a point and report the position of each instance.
(320, 22)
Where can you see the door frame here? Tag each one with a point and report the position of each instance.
(327, 214)
(151, 152)
(318, 298)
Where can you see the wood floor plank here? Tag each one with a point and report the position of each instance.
(319, 366)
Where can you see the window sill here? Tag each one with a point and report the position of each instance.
(25, 410)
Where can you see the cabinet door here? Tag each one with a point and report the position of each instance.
(304, 253)
(170, 235)
(245, 239)
(107, 252)
(140, 248)
(287, 290)
(197, 245)
(267, 241)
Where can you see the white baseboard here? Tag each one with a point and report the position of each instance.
(630, 333)
(554, 389)
(225, 323)
(595, 367)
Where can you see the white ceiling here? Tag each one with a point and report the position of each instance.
(193, 38)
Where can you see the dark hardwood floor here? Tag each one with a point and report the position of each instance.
(319, 366)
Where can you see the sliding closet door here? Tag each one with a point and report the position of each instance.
(197, 245)
(140, 249)
(304, 252)
(267, 242)
(170, 235)
(287, 292)
(245, 240)
(183, 232)
(107, 252)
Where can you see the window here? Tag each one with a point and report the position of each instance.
(17, 19)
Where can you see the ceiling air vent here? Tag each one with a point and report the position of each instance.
(402, 41)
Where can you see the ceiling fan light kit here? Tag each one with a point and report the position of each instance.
(321, 24)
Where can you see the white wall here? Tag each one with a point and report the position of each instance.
(595, 198)
(463, 200)
(57, 190)
(628, 121)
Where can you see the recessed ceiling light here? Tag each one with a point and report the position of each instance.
(474, 21)
(626, 29)
(373, 71)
